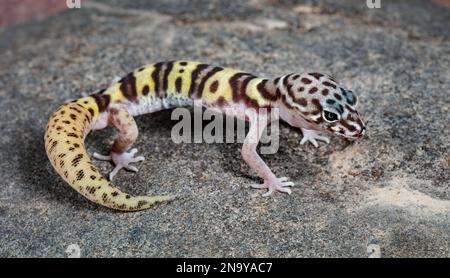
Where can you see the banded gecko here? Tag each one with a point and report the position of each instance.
(313, 102)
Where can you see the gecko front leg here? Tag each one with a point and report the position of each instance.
(251, 157)
(310, 135)
(128, 132)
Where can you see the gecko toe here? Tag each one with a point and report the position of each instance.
(131, 168)
(277, 184)
(101, 157)
(258, 186)
(138, 159)
(268, 193)
(287, 184)
(285, 190)
(120, 161)
(114, 172)
(313, 136)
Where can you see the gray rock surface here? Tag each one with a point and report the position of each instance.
(390, 189)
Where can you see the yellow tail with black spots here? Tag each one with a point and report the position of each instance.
(64, 143)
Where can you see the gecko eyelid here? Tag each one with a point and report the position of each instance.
(330, 116)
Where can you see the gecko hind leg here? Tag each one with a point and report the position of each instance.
(128, 133)
(120, 161)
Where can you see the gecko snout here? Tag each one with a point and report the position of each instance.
(361, 133)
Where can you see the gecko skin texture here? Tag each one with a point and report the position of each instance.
(313, 102)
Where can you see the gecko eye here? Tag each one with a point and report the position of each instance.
(330, 116)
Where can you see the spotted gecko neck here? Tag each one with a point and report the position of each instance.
(280, 91)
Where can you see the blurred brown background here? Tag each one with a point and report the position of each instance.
(18, 11)
(389, 190)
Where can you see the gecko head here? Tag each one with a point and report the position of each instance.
(339, 114)
(325, 105)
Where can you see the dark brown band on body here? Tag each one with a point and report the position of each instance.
(201, 86)
(165, 79)
(128, 87)
(238, 84)
(155, 77)
(267, 94)
(101, 100)
(194, 76)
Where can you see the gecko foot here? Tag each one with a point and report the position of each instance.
(122, 160)
(279, 184)
(312, 136)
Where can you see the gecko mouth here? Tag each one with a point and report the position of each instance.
(353, 137)
(358, 135)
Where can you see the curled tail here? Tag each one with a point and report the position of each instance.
(64, 143)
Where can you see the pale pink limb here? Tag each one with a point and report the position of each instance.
(128, 132)
(312, 136)
(251, 157)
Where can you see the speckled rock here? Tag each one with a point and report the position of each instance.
(390, 190)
